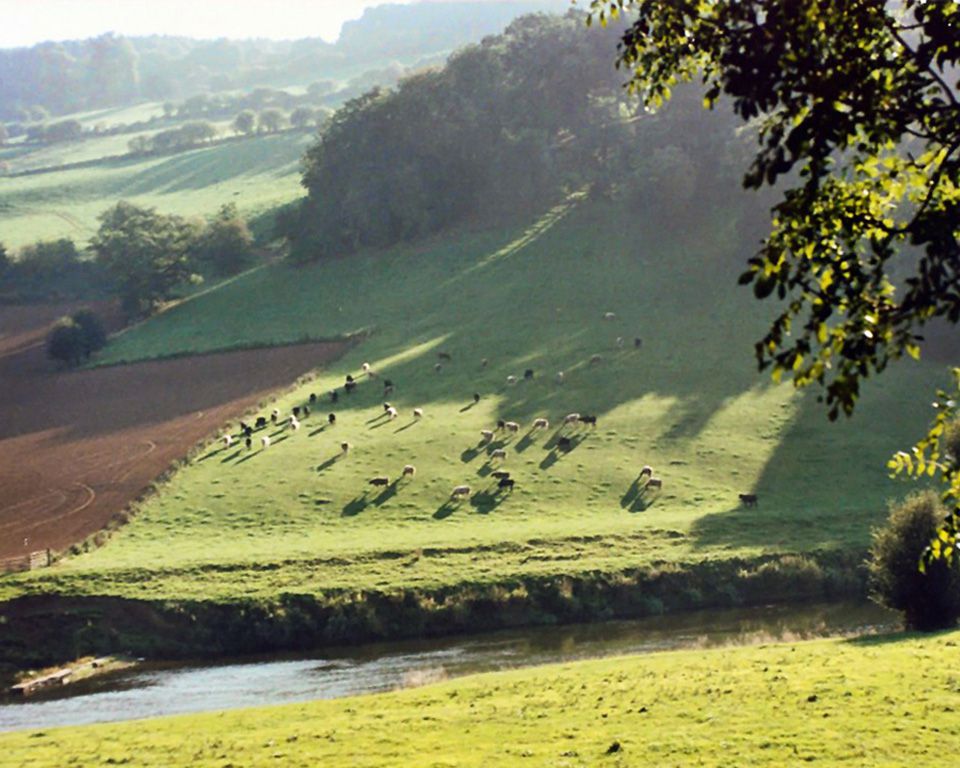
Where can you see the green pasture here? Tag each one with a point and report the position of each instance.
(298, 517)
(256, 174)
(883, 701)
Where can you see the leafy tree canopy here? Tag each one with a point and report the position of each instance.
(858, 115)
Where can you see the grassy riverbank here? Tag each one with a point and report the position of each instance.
(884, 701)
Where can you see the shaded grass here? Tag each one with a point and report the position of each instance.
(883, 702)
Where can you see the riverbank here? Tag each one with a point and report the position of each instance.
(44, 630)
(66, 677)
(832, 702)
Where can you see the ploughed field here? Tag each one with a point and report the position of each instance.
(300, 517)
(76, 447)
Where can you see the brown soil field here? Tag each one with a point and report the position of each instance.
(76, 447)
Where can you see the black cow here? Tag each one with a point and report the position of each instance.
(591, 420)
(748, 499)
(528, 374)
(261, 422)
(506, 483)
(332, 419)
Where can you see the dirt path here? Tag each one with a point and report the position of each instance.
(77, 447)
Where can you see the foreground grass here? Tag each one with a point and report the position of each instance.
(255, 174)
(297, 519)
(886, 701)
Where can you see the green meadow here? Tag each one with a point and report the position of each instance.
(300, 518)
(257, 174)
(880, 701)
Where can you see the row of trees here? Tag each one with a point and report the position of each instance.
(505, 126)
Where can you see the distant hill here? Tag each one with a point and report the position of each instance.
(109, 71)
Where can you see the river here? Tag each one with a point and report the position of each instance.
(152, 690)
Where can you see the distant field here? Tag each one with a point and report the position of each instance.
(884, 701)
(295, 518)
(255, 174)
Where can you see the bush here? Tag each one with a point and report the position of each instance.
(94, 334)
(65, 342)
(929, 599)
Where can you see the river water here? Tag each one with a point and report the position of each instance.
(166, 689)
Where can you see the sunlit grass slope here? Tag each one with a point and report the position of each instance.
(256, 174)
(875, 702)
(296, 517)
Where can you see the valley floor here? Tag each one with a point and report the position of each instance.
(878, 701)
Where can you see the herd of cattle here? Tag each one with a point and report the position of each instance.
(565, 441)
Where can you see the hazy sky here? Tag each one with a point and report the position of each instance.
(24, 22)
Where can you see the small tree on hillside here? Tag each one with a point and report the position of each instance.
(302, 117)
(65, 342)
(226, 245)
(929, 599)
(270, 120)
(245, 122)
(91, 326)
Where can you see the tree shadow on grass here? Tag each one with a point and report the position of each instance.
(355, 506)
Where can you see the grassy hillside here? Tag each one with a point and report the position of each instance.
(255, 174)
(295, 518)
(885, 701)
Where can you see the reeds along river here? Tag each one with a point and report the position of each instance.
(155, 690)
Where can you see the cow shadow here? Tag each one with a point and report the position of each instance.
(328, 463)
(524, 442)
(484, 502)
(231, 457)
(279, 439)
(355, 506)
(405, 427)
(381, 424)
(445, 510)
(471, 453)
(249, 456)
(632, 494)
(467, 407)
(386, 494)
(317, 431)
(378, 417)
(550, 459)
(211, 454)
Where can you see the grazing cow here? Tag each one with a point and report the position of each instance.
(506, 483)
(609, 316)
(228, 440)
(409, 470)
(476, 397)
(261, 422)
(306, 411)
(387, 383)
(501, 424)
(541, 423)
(274, 415)
(591, 420)
(388, 390)
(313, 398)
(294, 424)
(620, 342)
(379, 482)
(296, 410)
(511, 380)
(247, 430)
(349, 379)
(560, 377)
(564, 444)
(444, 356)
(499, 453)
(366, 367)
(244, 427)
(332, 419)
(265, 442)
(349, 387)
(484, 363)
(654, 482)
(344, 448)
(334, 395)
(438, 367)
(499, 474)
(646, 470)
(392, 412)
(460, 492)
(748, 499)
(486, 434)
(418, 413)
(386, 407)
(512, 426)
(249, 442)
(571, 418)
(596, 359)
(637, 343)
(528, 374)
